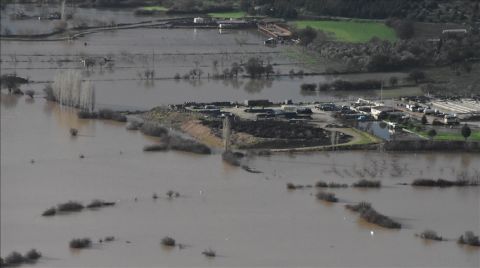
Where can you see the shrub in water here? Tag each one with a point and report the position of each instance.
(155, 147)
(209, 253)
(181, 144)
(368, 213)
(109, 238)
(133, 125)
(70, 206)
(231, 158)
(291, 186)
(441, 183)
(30, 93)
(73, 132)
(119, 117)
(80, 243)
(337, 185)
(96, 203)
(424, 182)
(329, 197)
(172, 194)
(14, 258)
(367, 184)
(469, 238)
(373, 216)
(430, 235)
(33, 255)
(105, 114)
(168, 241)
(86, 115)
(49, 212)
(152, 129)
(360, 207)
(321, 184)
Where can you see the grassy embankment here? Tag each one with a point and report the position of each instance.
(448, 136)
(233, 15)
(360, 138)
(350, 31)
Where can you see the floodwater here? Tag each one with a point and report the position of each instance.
(249, 219)
(88, 16)
(169, 52)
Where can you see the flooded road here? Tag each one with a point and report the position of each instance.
(249, 219)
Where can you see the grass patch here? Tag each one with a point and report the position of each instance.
(154, 8)
(361, 138)
(351, 31)
(233, 15)
(449, 136)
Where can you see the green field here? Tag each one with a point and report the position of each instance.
(351, 31)
(154, 8)
(233, 15)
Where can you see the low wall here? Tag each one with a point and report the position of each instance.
(426, 145)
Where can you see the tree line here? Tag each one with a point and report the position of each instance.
(420, 10)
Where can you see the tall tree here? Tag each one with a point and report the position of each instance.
(466, 131)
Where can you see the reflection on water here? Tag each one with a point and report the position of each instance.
(377, 128)
(249, 219)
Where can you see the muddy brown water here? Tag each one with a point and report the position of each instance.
(176, 51)
(249, 219)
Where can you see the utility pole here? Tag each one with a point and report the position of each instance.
(227, 129)
(62, 11)
(381, 92)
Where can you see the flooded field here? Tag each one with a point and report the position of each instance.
(249, 219)
(169, 52)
